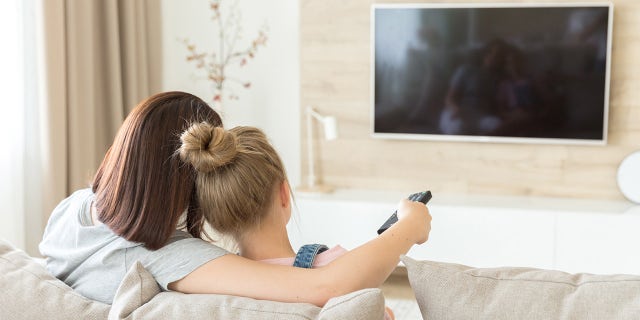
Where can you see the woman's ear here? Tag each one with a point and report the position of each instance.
(285, 194)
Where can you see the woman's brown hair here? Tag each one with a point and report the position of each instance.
(238, 170)
(142, 187)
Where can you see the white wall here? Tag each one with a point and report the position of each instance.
(272, 102)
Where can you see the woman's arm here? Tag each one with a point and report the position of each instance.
(364, 267)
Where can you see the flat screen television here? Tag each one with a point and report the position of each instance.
(491, 72)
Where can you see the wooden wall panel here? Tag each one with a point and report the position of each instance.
(335, 77)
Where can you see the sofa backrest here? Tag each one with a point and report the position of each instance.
(453, 291)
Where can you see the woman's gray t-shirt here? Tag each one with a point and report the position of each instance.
(93, 260)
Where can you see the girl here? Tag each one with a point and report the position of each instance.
(143, 206)
(243, 192)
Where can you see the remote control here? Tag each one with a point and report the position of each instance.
(423, 197)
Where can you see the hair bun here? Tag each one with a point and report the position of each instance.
(207, 147)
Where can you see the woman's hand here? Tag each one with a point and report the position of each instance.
(416, 215)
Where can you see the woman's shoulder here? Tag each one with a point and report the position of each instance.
(76, 199)
(71, 208)
(181, 241)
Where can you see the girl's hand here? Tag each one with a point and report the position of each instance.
(416, 215)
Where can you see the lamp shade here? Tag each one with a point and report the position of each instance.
(330, 128)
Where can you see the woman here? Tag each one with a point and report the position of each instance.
(143, 207)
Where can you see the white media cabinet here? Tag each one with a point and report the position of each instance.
(571, 235)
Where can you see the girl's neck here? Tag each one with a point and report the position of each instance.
(269, 241)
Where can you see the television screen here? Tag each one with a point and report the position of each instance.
(491, 73)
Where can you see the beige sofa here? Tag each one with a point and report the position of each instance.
(443, 291)
(452, 291)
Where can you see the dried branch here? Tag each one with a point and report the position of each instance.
(214, 64)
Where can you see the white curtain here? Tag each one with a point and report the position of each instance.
(71, 71)
(13, 62)
(21, 123)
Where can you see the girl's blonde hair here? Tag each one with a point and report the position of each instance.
(237, 171)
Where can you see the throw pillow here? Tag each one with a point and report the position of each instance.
(139, 297)
(28, 291)
(452, 291)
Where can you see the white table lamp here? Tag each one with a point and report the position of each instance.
(330, 128)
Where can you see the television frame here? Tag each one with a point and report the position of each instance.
(490, 139)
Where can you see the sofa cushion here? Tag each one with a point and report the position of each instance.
(28, 291)
(452, 291)
(139, 297)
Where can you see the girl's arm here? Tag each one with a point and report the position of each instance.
(364, 267)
